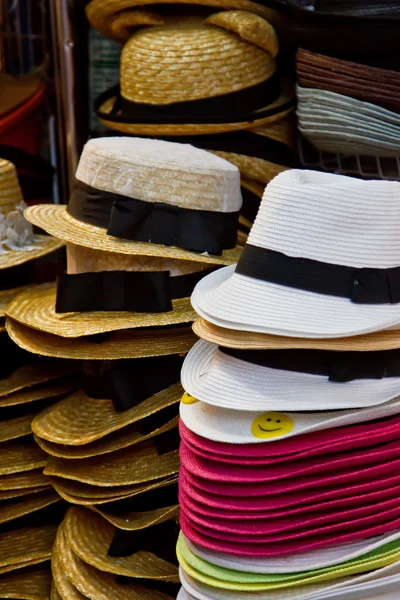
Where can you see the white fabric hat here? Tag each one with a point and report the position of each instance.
(332, 219)
(216, 378)
(235, 426)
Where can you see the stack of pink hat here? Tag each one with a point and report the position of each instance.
(290, 424)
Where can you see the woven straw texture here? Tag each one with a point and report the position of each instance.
(15, 428)
(7, 295)
(63, 585)
(23, 480)
(96, 584)
(79, 420)
(89, 537)
(252, 167)
(249, 27)
(27, 505)
(31, 375)
(120, 345)
(122, 24)
(16, 458)
(34, 585)
(123, 467)
(39, 392)
(9, 494)
(36, 308)
(140, 520)
(231, 338)
(45, 244)
(28, 544)
(56, 221)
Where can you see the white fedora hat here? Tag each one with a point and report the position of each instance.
(260, 380)
(321, 261)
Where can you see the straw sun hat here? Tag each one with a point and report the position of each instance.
(218, 75)
(329, 276)
(18, 244)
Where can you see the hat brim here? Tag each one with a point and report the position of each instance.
(16, 458)
(43, 245)
(30, 585)
(7, 295)
(139, 520)
(55, 220)
(235, 301)
(221, 380)
(30, 376)
(23, 480)
(30, 544)
(27, 505)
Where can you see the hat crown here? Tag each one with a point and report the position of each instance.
(15, 231)
(330, 218)
(158, 171)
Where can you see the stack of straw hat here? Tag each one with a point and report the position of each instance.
(289, 481)
(146, 221)
(206, 75)
(348, 108)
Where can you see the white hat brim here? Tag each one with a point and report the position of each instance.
(222, 380)
(236, 301)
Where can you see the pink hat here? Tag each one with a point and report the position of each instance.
(244, 546)
(305, 445)
(296, 501)
(336, 463)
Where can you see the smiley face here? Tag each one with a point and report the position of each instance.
(271, 425)
(188, 399)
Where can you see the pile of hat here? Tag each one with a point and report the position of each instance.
(145, 222)
(203, 73)
(290, 453)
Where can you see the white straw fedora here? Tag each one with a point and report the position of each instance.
(274, 381)
(321, 261)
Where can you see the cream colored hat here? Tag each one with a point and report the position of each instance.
(132, 191)
(18, 244)
(191, 76)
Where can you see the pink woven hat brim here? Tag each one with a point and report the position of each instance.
(294, 469)
(287, 527)
(303, 446)
(244, 547)
(295, 501)
(286, 486)
(329, 509)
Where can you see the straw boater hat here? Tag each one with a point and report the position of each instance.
(332, 275)
(218, 75)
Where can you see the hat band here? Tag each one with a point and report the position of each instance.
(249, 99)
(339, 367)
(134, 381)
(158, 539)
(361, 286)
(153, 222)
(137, 291)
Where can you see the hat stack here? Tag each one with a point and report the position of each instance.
(289, 480)
(146, 221)
(203, 73)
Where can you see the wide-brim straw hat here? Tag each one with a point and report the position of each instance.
(7, 295)
(23, 480)
(245, 340)
(217, 378)
(140, 343)
(9, 511)
(77, 577)
(26, 546)
(283, 231)
(89, 536)
(137, 521)
(80, 420)
(32, 584)
(35, 377)
(17, 458)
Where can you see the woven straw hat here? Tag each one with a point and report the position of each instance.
(39, 392)
(18, 244)
(9, 494)
(92, 582)
(16, 457)
(89, 537)
(30, 376)
(7, 295)
(140, 520)
(28, 545)
(60, 580)
(27, 505)
(231, 52)
(119, 345)
(355, 234)
(149, 172)
(33, 584)
(23, 480)
(79, 420)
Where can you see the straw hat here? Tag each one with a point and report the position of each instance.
(354, 236)
(30, 376)
(219, 75)
(18, 244)
(244, 340)
(27, 505)
(80, 420)
(60, 580)
(7, 295)
(119, 345)
(30, 544)
(9, 494)
(40, 392)
(16, 458)
(33, 584)
(89, 537)
(23, 480)
(198, 193)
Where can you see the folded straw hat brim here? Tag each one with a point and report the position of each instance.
(89, 537)
(241, 340)
(31, 585)
(252, 167)
(79, 420)
(234, 301)
(32, 375)
(63, 585)
(15, 428)
(23, 480)
(44, 245)
(27, 505)
(40, 392)
(221, 380)
(55, 220)
(141, 343)
(17, 458)
(139, 520)
(36, 308)
(54, 593)
(28, 544)
(9, 494)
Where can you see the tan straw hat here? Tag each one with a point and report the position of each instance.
(218, 74)
(40, 392)
(9, 494)
(61, 582)
(29, 504)
(135, 521)
(29, 585)
(94, 583)
(89, 537)
(23, 480)
(16, 457)
(11, 429)
(7, 295)
(30, 544)
(18, 244)
(229, 338)
(29, 376)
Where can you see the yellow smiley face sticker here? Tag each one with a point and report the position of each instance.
(188, 399)
(271, 425)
